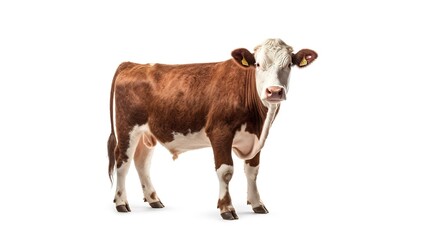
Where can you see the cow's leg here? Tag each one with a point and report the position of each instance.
(251, 168)
(121, 193)
(127, 142)
(221, 144)
(224, 173)
(142, 159)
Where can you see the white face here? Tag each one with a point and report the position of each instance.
(273, 64)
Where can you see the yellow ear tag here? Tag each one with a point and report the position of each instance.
(303, 62)
(244, 62)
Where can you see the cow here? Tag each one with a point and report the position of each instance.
(227, 105)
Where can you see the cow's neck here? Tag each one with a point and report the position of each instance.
(253, 102)
(264, 116)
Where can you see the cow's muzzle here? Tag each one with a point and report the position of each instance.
(275, 94)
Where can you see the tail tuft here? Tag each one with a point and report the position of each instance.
(111, 145)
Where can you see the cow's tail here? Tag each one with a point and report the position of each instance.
(111, 143)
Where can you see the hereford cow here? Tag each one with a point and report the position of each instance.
(228, 106)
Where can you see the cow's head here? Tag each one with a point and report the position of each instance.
(273, 61)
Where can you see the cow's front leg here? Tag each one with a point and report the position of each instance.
(227, 211)
(222, 144)
(251, 168)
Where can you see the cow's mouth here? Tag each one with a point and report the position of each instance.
(274, 101)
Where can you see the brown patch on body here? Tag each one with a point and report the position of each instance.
(254, 162)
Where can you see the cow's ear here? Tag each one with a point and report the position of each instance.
(304, 57)
(243, 57)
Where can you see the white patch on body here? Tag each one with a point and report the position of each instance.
(135, 135)
(186, 142)
(244, 143)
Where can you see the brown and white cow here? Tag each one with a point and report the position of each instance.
(228, 106)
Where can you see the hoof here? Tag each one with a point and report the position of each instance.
(123, 208)
(156, 204)
(229, 215)
(261, 209)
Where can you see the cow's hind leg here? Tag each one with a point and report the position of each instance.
(251, 168)
(121, 194)
(142, 160)
(124, 152)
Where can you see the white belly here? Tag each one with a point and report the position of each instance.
(190, 141)
(242, 145)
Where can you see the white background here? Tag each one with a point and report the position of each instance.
(347, 157)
